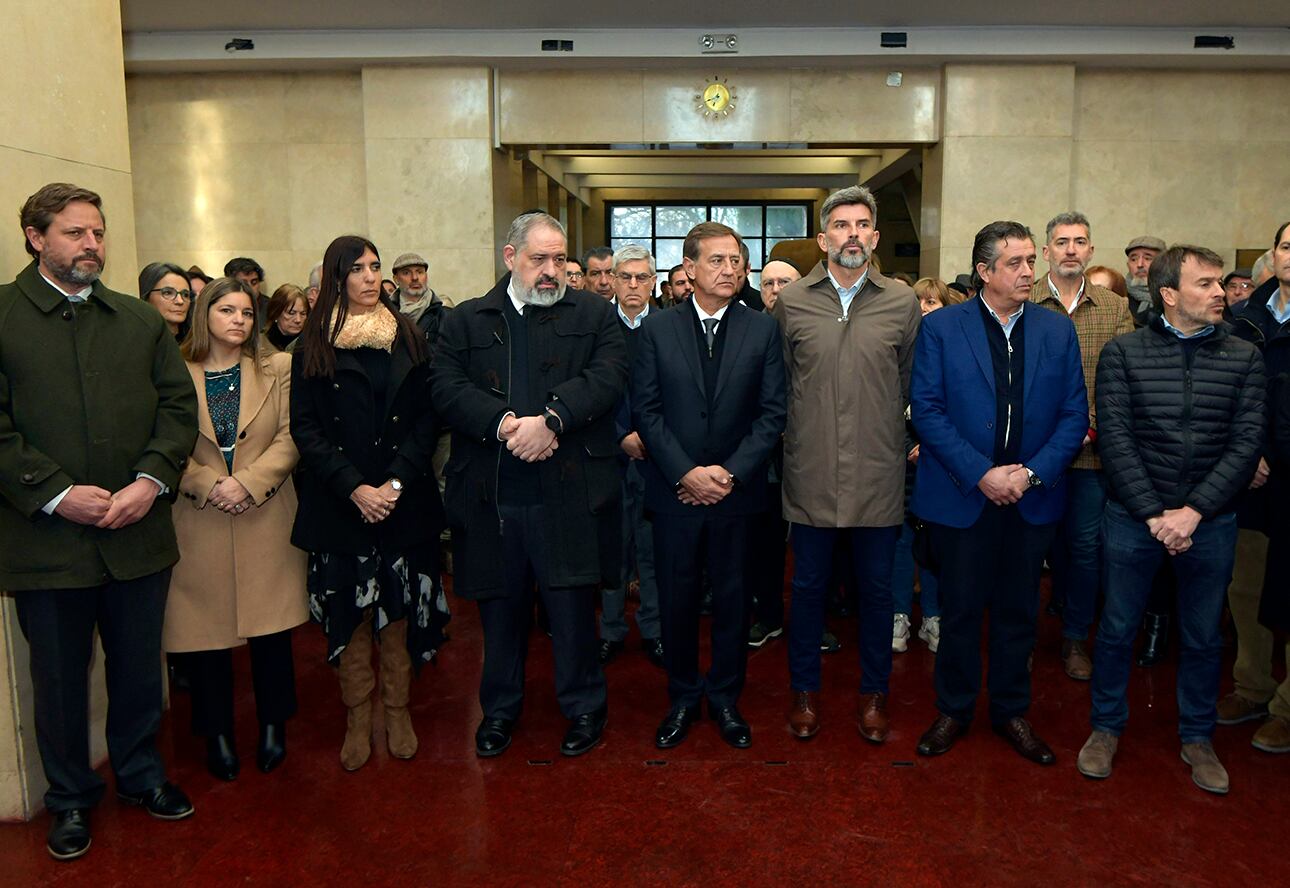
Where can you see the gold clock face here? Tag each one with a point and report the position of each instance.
(716, 98)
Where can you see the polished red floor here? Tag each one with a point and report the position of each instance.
(834, 810)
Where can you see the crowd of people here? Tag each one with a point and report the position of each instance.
(206, 466)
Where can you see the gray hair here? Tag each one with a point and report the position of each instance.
(517, 236)
(1262, 268)
(989, 244)
(315, 276)
(633, 253)
(1070, 218)
(847, 197)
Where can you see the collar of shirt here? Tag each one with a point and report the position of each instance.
(515, 300)
(1010, 322)
(632, 324)
(847, 294)
(718, 314)
(1052, 288)
(1203, 331)
(1282, 314)
(78, 296)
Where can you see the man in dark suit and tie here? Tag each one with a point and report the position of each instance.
(991, 472)
(708, 396)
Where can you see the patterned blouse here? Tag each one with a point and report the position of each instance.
(223, 398)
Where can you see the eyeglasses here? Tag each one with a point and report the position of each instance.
(644, 277)
(170, 294)
(573, 275)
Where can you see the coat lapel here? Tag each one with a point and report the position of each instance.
(400, 367)
(689, 346)
(736, 320)
(255, 391)
(974, 332)
(1034, 348)
(204, 425)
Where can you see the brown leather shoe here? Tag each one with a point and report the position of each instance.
(941, 735)
(1017, 731)
(803, 717)
(873, 717)
(1075, 658)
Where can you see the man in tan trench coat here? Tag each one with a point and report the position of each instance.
(848, 350)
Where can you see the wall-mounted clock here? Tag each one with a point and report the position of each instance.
(717, 98)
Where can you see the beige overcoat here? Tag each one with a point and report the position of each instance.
(848, 384)
(238, 576)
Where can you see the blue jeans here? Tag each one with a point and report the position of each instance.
(902, 580)
(638, 556)
(1077, 551)
(1132, 557)
(872, 549)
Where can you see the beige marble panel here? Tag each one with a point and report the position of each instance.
(1262, 196)
(435, 190)
(1189, 194)
(321, 106)
(65, 104)
(461, 274)
(202, 109)
(1264, 106)
(1195, 106)
(1109, 185)
(213, 195)
(1111, 104)
(933, 177)
(427, 103)
(671, 102)
(535, 107)
(326, 193)
(1022, 178)
(857, 106)
(1009, 100)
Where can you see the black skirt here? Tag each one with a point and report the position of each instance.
(407, 585)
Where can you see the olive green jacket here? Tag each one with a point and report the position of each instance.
(91, 393)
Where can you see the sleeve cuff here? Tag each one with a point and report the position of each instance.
(53, 504)
(162, 489)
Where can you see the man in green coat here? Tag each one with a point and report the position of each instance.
(97, 417)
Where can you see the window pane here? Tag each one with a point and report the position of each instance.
(754, 251)
(770, 245)
(745, 220)
(630, 222)
(677, 221)
(786, 221)
(623, 241)
(669, 253)
(755, 279)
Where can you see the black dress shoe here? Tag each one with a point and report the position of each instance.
(941, 735)
(734, 730)
(272, 748)
(69, 834)
(584, 732)
(1157, 639)
(165, 802)
(221, 757)
(653, 648)
(493, 736)
(677, 724)
(606, 650)
(1021, 736)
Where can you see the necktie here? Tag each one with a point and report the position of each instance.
(710, 332)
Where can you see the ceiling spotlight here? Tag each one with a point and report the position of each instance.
(239, 44)
(895, 78)
(712, 44)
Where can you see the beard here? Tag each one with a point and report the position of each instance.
(1138, 281)
(850, 260)
(72, 272)
(542, 298)
(415, 293)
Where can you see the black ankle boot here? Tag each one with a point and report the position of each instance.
(1156, 639)
(272, 748)
(221, 757)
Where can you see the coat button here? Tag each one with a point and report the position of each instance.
(28, 477)
(989, 425)
(703, 415)
(335, 419)
(336, 386)
(241, 436)
(394, 419)
(268, 494)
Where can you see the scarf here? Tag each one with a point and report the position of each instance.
(376, 329)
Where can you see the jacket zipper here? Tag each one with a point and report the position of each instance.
(1188, 360)
(497, 470)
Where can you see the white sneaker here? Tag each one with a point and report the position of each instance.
(930, 632)
(900, 633)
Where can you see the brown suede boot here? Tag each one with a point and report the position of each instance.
(396, 684)
(357, 681)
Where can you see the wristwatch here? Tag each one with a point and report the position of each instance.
(397, 485)
(553, 423)
(1032, 478)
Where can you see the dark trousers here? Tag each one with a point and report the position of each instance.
(684, 546)
(579, 683)
(59, 628)
(873, 553)
(210, 676)
(767, 553)
(1076, 556)
(994, 565)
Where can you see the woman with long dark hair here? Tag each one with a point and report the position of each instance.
(370, 511)
(238, 580)
(165, 287)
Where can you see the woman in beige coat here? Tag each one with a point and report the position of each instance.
(239, 579)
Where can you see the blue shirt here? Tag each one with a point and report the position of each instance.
(1204, 331)
(1010, 323)
(846, 294)
(640, 318)
(1282, 314)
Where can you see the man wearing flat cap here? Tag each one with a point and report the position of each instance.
(414, 296)
(1139, 254)
(1237, 287)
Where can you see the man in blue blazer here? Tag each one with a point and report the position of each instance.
(998, 401)
(708, 396)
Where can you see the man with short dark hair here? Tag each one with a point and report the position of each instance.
(665, 294)
(97, 418)
(747, 293)
(598, 263)
(1138, 257)
(1099, 315)
(1181, 421)
(682, 286)
(574, 272)
(250, 272)
(999, 404)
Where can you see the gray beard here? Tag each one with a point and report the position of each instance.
(847, 260)
(534, 296)
(71, 274)
(1138, 281)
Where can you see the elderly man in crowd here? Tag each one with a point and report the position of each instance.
(598, 272)
(414, 296)
(1138, 257)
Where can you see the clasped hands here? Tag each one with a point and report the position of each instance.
(229, 495)
(528, 437)
(1174, 527)
(705, 486)
(90, 504)
(1005, 485)
(375, 503)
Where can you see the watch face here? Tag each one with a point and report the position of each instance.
(396, 484)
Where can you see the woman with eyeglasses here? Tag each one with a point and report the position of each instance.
(238, 580)
(164, 286)
(285, 317)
